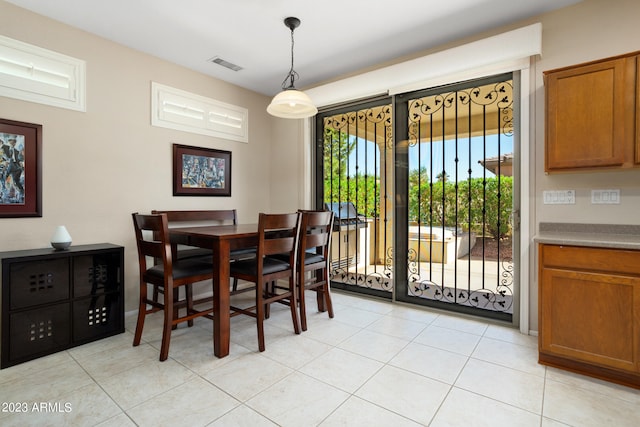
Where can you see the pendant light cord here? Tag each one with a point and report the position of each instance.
(292, 75)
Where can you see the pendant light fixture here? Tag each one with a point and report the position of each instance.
(291, 103)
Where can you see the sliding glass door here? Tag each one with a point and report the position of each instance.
(455, 169)
(355, 179)
(423, 190)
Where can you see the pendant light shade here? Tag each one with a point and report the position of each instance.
(291, 103)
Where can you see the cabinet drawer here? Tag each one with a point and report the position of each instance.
(591, 259)
(97, 317)
(38, 282)
(96, 274)
(38, 331)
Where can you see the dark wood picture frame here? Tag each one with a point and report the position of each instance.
(20, 169)
(201, 171)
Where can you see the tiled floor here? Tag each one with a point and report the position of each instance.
(374, 364)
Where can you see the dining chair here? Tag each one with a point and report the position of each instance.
(196, 218)
(165, 277)
(316, 228)
(277, 234)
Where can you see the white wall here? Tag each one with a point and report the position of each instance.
(289, 171)
(102, 165)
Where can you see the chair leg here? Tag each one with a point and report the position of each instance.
(175, 311)
(301, 301)
(234, 287)
(189, 296)
(320, 300)
(267, 293)
(169, 315)
(319, 297)
(260, 309)
(323, 297)
(327, 294)
(293, 304)
(155, 294)
(142, 312)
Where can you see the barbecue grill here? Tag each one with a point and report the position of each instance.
(345, 216)
(345, 243)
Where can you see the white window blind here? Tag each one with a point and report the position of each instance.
(31, 73)
(176, 109)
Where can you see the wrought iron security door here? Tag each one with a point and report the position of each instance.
(456, 169)
(433, 208)
(355, 158)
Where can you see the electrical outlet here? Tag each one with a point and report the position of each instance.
(605, 197)
(559, 197)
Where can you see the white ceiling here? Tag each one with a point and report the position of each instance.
(336, 37)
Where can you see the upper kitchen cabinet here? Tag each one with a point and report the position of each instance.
(590, 115)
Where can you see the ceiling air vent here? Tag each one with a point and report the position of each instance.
(226, 64)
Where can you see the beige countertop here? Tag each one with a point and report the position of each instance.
(617, 236)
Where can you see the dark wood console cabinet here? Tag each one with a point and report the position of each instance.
(53, 300)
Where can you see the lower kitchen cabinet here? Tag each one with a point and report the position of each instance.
(589, 311)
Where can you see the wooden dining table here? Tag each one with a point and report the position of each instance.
(222, 239)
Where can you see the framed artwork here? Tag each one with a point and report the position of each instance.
(201, 171)
(20, 169)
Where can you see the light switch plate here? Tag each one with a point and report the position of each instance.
(559, 197)
(605, 197)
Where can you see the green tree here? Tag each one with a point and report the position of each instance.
(418, 184)
(500, 202)
(337, 148)
(479, 205)
(418, 176)
(442, 177)
(362, 191)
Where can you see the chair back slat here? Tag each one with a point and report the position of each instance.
(275, 222)
(279, 246)
(227, 216)
(278, 234)
(197, 218)
(318, 218)
(315, 240)
(193, 218)
(157, 246)
(153, 249)
(316, 228)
